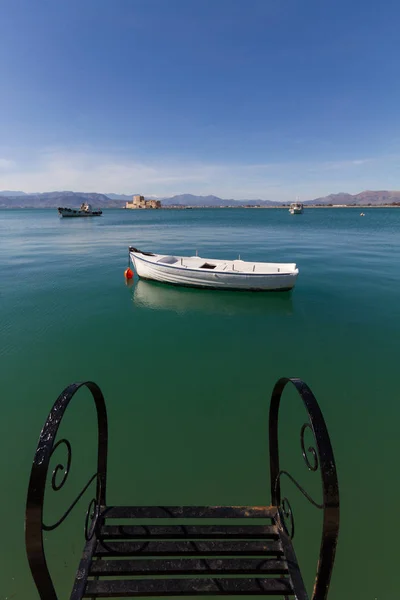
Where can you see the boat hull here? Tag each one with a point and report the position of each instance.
(72, 213)
(146, 269)
(296, 208)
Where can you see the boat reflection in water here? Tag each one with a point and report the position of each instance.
(159, 296)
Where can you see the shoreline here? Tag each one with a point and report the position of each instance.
(306, 207)
(243, 207)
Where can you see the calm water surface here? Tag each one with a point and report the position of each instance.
(187, 373)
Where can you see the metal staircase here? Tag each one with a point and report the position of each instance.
(185, 550)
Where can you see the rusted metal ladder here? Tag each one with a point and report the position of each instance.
(185, 550)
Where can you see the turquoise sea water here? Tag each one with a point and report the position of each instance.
(187, 374)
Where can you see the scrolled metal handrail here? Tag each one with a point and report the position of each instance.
(287, 513)
(300, 488)
(310, 449)
(57, 486)
(34, 525)
(71, 506)
(318, 458)
(92, 513)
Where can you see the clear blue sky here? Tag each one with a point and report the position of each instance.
(240, 98)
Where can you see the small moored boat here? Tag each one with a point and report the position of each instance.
(84, 211)
(194, 271)
(296, 208)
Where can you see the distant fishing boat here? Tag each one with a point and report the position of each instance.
(84, 211)
(296, 208)
(194, 271)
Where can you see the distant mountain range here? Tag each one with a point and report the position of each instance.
(18, 199)
(56, 199)
(190, 200)
(12, 194)
(374, 198)
(124, 197)
(10, 199)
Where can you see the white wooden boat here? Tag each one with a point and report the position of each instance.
(195, 271)
(84, 211)
(296, 208)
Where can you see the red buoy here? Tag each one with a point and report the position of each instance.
(128, 273)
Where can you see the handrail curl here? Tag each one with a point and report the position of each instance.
(57, 486)
(34, 525)
(322, 459)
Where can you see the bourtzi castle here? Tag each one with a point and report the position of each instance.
(140, 202)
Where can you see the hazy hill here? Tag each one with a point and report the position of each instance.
(13, 199)
(74, 199)
(12, 194)
(341, 198)
(124, 197)
(191, 200)
(382, 197)
(375, 198)
(56, 199)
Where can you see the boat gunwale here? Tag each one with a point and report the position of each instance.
(198, 270)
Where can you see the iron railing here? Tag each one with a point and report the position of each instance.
(34, 524)
(319, 458)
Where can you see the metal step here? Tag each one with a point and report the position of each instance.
(187, 566)
(178, 548)
(120, 588)
(190, 512)
(197, 532)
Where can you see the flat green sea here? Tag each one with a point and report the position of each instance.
(187, 374)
